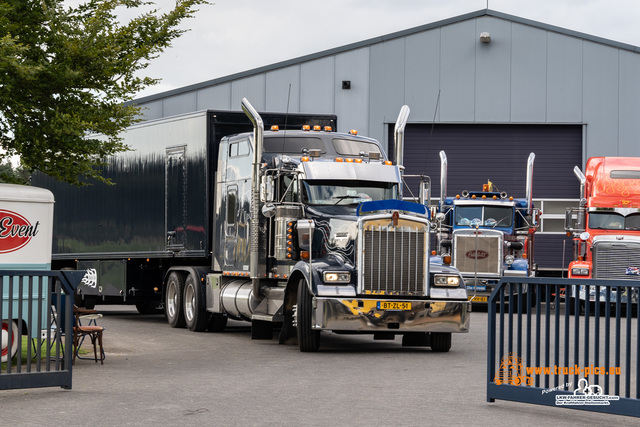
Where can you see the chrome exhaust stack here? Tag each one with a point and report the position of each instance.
(443, 177)
(398, 137)
(258, 135)
(583, 180)
(529, 189)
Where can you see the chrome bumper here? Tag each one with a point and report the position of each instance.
(342, 314)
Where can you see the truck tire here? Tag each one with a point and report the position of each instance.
(174, 308)
(9, 328)
(196, 316)
(217, 322)
(440, 341)
(308, 339)
(415, 339)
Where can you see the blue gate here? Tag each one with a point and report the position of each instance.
(565, 342)
(36, 307)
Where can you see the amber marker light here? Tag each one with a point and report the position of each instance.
(275, 128)
(305, 159)
(328, 128)
(339, 159)
(388, 162)
(358, 160)
(317, 128)
(353, 132)
(349, 160)
(304, 254)
(306, 127)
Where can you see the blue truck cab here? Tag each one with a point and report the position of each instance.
(486, 234)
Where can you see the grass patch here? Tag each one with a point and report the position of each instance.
(26, 342)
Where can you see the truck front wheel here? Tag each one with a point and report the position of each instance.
(195, 315)
(308, 339)
(174, 294)
(440, 341)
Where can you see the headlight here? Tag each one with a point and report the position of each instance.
(336, 277)
(441, 280)
(508, 259)
(579, 271)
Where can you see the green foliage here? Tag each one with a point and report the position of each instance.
(65, 73)
(10, 175)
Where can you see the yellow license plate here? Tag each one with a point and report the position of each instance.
(394, 305)
(478, 299)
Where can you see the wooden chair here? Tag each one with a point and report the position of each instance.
(90, 330)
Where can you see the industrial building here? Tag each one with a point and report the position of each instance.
(486, 87)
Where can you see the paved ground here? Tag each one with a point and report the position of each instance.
(155, 375)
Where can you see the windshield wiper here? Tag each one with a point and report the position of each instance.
(341, 198)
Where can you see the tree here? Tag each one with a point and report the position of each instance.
(66, 73)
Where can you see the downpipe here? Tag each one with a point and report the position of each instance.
(258, 133)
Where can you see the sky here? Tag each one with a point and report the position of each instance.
(231, 36)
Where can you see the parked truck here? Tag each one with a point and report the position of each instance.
(486, 234)
(301, 229)
(606, 225)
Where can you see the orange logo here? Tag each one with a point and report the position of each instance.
(512, 372)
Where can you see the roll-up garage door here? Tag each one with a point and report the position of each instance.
(477, 153)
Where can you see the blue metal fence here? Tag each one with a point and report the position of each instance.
(565, 342)
(36, 307)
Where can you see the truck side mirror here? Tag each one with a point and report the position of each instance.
(266, 189)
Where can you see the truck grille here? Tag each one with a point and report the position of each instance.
(393, 259)
(611, 260)
(487, 249)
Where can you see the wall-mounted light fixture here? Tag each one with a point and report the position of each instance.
(346, 84)
(485, 37)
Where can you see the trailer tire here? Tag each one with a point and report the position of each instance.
(308, 339)
(174, 308)
(9, 328)
(217, 322)
(196, 316)
(440, 341)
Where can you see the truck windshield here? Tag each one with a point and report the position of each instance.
(330, 193)
(613, 221)
(486, 216)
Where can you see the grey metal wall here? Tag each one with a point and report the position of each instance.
(529, 73)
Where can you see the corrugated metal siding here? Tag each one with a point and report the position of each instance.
(352, 106)
(317, 86)
(283, 90)
(493, 73)
(629, 104)
(216, 98)
(528, 74)
(180, 104)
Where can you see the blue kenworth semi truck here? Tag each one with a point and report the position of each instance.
(486, 234)
(275, 219)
